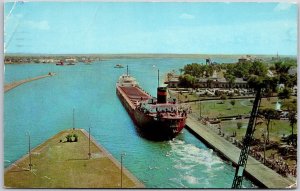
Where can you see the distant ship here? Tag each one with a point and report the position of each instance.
(119, 66)
(60, 63)
(156, 118)
(88, 62)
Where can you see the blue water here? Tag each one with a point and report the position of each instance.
(44, 107)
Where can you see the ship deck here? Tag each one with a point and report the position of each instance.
(134, 94)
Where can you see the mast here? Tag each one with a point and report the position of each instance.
(158, 78)
(127, 70)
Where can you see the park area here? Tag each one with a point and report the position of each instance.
(272, 147)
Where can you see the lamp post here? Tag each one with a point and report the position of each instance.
(200, 110)
(73, 118)
(29, 151)
(89, 143)
(264, 136)
(122, 155)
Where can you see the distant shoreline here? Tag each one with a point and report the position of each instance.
(87, 58)
(150, 55)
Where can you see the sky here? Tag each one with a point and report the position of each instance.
(149, 27)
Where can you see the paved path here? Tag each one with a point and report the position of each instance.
(265, 176)
(12, 85)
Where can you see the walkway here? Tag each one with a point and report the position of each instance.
(263, 175)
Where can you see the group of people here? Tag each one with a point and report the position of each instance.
(277, 164)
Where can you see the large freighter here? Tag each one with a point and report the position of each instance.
(156, 118)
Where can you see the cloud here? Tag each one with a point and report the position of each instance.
(283, 6)
(40, 25)
(186, 16)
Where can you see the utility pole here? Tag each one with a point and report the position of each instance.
(89, 143)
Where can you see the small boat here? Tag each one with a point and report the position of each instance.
(60, 63)
(119, 66)
(88, 62)
(70, 63)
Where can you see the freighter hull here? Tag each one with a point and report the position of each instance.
(151, 127)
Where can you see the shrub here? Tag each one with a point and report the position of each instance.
(75, 137)
(232, 102)
(69, 138)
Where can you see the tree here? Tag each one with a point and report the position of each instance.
(258, 68)
(268, 114)
(230, 78)
(193, 69)
(293, 121)
(285, 93)
(291, 106)
(282, 67)
(256, 82)
(187, 80)
(209, 70)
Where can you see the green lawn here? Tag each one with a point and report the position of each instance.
(218, 109)
(277, 128)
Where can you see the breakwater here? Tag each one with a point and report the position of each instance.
(12, 85)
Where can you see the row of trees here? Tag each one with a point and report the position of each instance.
(255, 72)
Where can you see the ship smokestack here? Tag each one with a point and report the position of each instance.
(161, 95)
